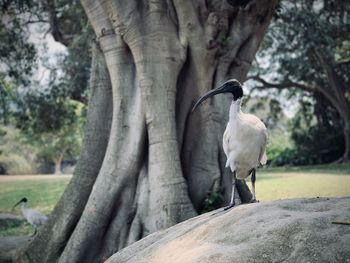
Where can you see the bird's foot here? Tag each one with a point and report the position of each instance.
(254, 201)
(229, 206)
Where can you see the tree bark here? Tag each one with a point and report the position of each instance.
(160, 161)
(346, 156)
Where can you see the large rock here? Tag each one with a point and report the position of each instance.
(298, 230)
(8, 246)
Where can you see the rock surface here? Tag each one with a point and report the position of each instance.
(296, 230)
(7, 220)
(10, 243)
(8, 246)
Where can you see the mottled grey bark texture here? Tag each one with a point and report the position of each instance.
(160, 161)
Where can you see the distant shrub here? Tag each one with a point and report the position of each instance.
(16, 164)
(289, 156)
(16, 157)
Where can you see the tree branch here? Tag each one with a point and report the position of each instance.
(54, 25)
(344, 61)
(290, 84)
(285, 85)
(35, 21)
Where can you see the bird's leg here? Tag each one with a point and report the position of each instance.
(253, 178)
(232, 203)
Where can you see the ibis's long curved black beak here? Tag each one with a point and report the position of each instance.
(20, 201)
(231, 86)
(208, 95)
(17, 204)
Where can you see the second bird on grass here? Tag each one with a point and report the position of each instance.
(244, 140)
(33, 217)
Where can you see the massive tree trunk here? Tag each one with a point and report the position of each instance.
(147, 163)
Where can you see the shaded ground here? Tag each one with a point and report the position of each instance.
(298, 230)
(9, 243)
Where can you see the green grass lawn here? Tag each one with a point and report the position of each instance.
(272, 184)
(306, 181)
(42, 192)
(322, 168)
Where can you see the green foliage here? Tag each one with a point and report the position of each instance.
(309, 27)
(53, 125)
(6, 97)
(279, 142)
(51, 117)
(42, 112)
(267, 108)
(289, 156)
(71, 16)
(213, 200)
(17, 54)
(77, 65)
(305, 38)
(223, 40)
(16, 157)
(317, 132)
(312, 143)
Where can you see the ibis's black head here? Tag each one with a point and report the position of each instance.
(231, 86)
(23, 200)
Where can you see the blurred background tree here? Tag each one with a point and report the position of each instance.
(49, 115)
(53, 125)
(306, 51)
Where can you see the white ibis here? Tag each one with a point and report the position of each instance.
(244, 140)
(35, 218)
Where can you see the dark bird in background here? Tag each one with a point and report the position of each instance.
(244, 140)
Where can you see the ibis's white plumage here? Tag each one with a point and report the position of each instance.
(244, 141)
(35, 218)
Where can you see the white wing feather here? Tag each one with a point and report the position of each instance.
(244, 144)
